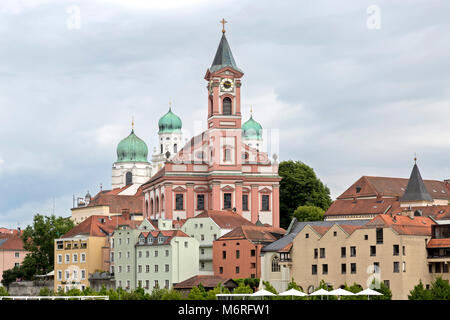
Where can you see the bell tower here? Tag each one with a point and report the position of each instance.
(224, 88)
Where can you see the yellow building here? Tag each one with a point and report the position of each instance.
(84, 250)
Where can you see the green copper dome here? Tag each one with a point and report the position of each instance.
(251, 130)
(133, 149)
(169, 122)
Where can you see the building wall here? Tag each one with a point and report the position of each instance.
(124, 242)
(278, 279)
(93, 261)
(81, 214)
(9, 258)
(160, 260)
(141, 173)
(183, 257)
(210, 231)
(400, 283)
(249, 266)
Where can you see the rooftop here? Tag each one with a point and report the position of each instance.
(99, 226)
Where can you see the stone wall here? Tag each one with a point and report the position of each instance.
(29, 288)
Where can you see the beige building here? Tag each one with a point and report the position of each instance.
(388, 249)
(84, 250)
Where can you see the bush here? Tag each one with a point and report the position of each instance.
(3, 292)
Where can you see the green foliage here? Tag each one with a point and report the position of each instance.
(300, 187)
(172, 294)
(419, 293)
(323, 285)
(355, 288)
(243, 288)
(293, 285)
(39, 239)
(157, 293)
(211, 295)
(3, 292)
(387, 294)
(46, 292)
(309, 213)
(440, 289)
(197, 293)
(251, 282)
(10, 275)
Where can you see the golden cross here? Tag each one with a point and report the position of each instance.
(132, 122)
(170, 104)
(223, 21)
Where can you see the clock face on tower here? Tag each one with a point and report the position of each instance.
(226, 85)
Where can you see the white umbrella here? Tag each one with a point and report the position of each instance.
(341, 292)
(369, 292)
(293, 292)
(321, 292)
(263, 293)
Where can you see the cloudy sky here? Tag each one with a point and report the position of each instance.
(353, 87)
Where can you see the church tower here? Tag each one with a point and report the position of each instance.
(169, 139)
(224, 106)
(131, 167)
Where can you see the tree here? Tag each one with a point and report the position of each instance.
(11, 275)
(300, 186)
(293, 285)
(38, 239)
(3, 292)
(243, 288)
(172, 294)
(197, 293)
(309, 213)
(355, 288)
(387, 294)
(211, 294)
(440, 289)
(419, 293)
(325, 286)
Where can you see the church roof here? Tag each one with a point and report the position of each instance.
(224, 57)
(251, 129)
(169, 122)
(132, 149)
(415, 190)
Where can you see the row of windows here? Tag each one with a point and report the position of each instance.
(320, 253)
(227, 202)
(155, 268)
(71, 276)
(60, 245)
(375, 268)
(439, 267)
(238, 254)
(150, 240)
(147, 284)
(237, 269)
(74, 258)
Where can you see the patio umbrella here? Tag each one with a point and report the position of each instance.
(263, 293)
(292, 293)
(369, 292)
(321, 292)
(341, 292)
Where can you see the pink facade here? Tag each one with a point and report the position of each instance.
(216, 170)
(11, 252)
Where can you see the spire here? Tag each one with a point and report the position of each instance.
(415, 190)
(170, 104)
(223, 57)
(132, 124)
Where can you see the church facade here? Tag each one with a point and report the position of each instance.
(223, 168)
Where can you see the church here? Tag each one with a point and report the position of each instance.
(223, 168)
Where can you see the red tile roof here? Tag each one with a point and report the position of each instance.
(117, 203)
(99, 226)
(321, 229)
(439, 243)
(169, 234)
(349, 229)
(395, 187)
(207, 281)
(420, 226)
(225, 219)
(362, 206)
(253, 233)
(437, 212)
(10, 242)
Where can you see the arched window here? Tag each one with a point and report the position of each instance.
(151, 207)
(275, 264)
(128, 178)
(146, 208)
(162, 203)
(157, 205)
(227, 154)
(175, 148)
(161, 148)
(226, 106)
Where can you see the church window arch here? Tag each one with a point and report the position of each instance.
(226, 106)
(175, 147)
(128, 178)
(161, 148)
(275, 264)
(157, 205)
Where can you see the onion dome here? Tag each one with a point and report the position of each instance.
(169, 122)
(251, 130)
(132, 149)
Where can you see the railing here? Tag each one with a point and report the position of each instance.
(54, 297)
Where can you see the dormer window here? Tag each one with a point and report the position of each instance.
(358, 189)
(150, 240)
(160, 239)
(141, 240)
